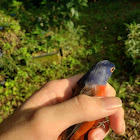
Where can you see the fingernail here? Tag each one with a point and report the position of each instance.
(97, 137)
(99, 134)
(111, 102)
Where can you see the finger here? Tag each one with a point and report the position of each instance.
(81, 108)
(62, 86)
(74, 79)
(110, 91)
(52, 92)
(99, 133)
(117, 122)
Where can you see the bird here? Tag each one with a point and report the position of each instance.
(93, 83)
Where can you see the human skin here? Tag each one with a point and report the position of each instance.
(49, 111)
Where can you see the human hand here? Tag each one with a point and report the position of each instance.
(48, 112)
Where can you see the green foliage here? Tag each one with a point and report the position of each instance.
(127, 92)
(69, 38)
(64, 9)
(21, 74)
(108, 138)
(133, 42)
(46, 14)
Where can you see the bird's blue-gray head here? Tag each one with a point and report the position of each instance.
(99, 73)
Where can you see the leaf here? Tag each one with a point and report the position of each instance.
(72, 11)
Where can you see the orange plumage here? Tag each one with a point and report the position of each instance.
(86, 126)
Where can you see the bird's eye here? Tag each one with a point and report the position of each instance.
(112, 69)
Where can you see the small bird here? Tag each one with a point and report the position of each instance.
(93, 83)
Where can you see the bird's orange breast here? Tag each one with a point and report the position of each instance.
(86, 126)
(98, 91)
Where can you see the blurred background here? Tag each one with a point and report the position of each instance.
(42, 40)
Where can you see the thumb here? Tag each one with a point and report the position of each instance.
(82, 108)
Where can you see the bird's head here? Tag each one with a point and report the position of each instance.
(99, 73)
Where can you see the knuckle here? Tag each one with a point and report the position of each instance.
(37, 118)
(35, 124)
(50, 83)
(36, 114)
(82, 101)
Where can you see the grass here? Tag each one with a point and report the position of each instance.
(99, 34)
